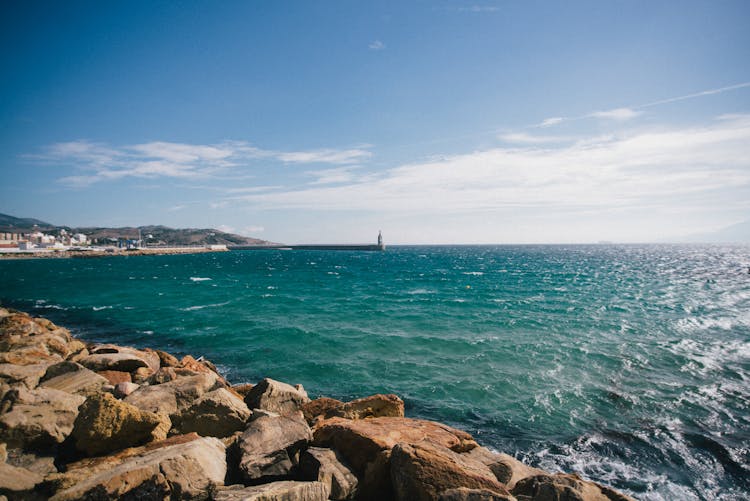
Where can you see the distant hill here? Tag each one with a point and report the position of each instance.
(738, 233)
(151, 235)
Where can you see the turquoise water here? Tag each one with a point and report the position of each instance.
(628, 364)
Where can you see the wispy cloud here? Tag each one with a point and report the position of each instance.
(97, 162)
(627, 113)
(616, 114)
(478, 8)
(333, 176)
(525, 138)
(376, 45)
(635, 170)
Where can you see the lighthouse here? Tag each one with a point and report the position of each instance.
(381, 245)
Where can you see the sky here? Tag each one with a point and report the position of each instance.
(433, 121)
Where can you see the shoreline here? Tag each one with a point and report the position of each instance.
(82, 420)
(66, 254)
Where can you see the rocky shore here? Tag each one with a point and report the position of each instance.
(100, 421)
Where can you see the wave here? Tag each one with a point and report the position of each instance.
(200, 279)
(203, 306)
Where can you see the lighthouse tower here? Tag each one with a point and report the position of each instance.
(380, 240)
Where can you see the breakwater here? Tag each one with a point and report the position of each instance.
(102, 421)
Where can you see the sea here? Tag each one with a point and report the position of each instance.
(628, 364)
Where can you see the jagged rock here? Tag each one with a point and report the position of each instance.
(372, 406)
(186, 468)
(3, 452)
(276, 396)
(218, 413)
(287, 490)
(39, 463)
(124, 389)
(26, 375)
(420, 472)
(71, 377)
(172, 397)
(564, 487)
(115, 377)
(38, 418)
(26, 341)
(325, 466)
(165, 359)
(151, 358)
(269, 446)
(17, 482)
(318, 408)
(105, 424)
(366, 445)
(507, 469)
(464, 494)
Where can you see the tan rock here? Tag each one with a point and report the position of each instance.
(269, 446)
(38, 418)
(507, 469)
(318, 408)
(151, 358)
(218, 413)
(26, 375)
(564, 487)
(368, 407)
(115, 377)
(142, 375)
(124, 389)
(276, 396)
(165, 359)
(124, 362)
(243, 389)
(17, 482)
(325, 466)
(422, 471)
(287, 490)
(105, 424)
(71, 377)
(187, 468)
(465, 494)
(173, 397)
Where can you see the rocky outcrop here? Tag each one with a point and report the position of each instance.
(91, 423)
(276, 397)
(105, 424)
(270, 446)
(287, 490)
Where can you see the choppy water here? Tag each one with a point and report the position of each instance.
(628, 364)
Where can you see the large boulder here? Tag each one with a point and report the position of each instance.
(286, 490)
(187, 467)
(25, 340)
(116, 377)
(324, 465)
(152, 359)
(218, 413)
(23, 375)
(368, 407)
(315, 410)
(124, 362)
(71, 377)
(105, 424)
(422, 471)
(270, 445)
(365, 444)
(38, 418)
(173, 397)
(466, 494)
(507, 469)
(564, 487)
(276, 396)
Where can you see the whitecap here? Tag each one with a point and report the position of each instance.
(474, 273)
(202, 306)
(100, 308)
(200, 279)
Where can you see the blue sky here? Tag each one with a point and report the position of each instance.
(437, 122)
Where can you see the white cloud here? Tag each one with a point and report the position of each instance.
(376, 45)
(478, 8)
(100, 162)
(332, 176)
(225, 228)
(250, 230)
(616, 114)
(548, 122)
(524, 138)
(646, 168)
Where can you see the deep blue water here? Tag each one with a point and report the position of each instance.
(627, 364)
